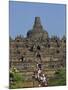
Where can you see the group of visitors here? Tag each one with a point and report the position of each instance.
(40, 77)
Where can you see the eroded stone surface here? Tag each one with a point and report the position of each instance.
(37, 47)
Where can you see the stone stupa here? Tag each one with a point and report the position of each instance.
(37, 30)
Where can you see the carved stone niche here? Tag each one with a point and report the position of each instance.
(57, 51)
(38, 47)
(18, 39)
(31, 49)
(23, 59)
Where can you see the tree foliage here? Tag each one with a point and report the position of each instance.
(59, 78)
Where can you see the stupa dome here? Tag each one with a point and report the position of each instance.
(37, 31)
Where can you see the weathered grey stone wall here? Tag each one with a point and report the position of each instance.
(37, 47)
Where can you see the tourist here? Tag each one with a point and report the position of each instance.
(39, 72)
(44, 80)
(39, 66)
